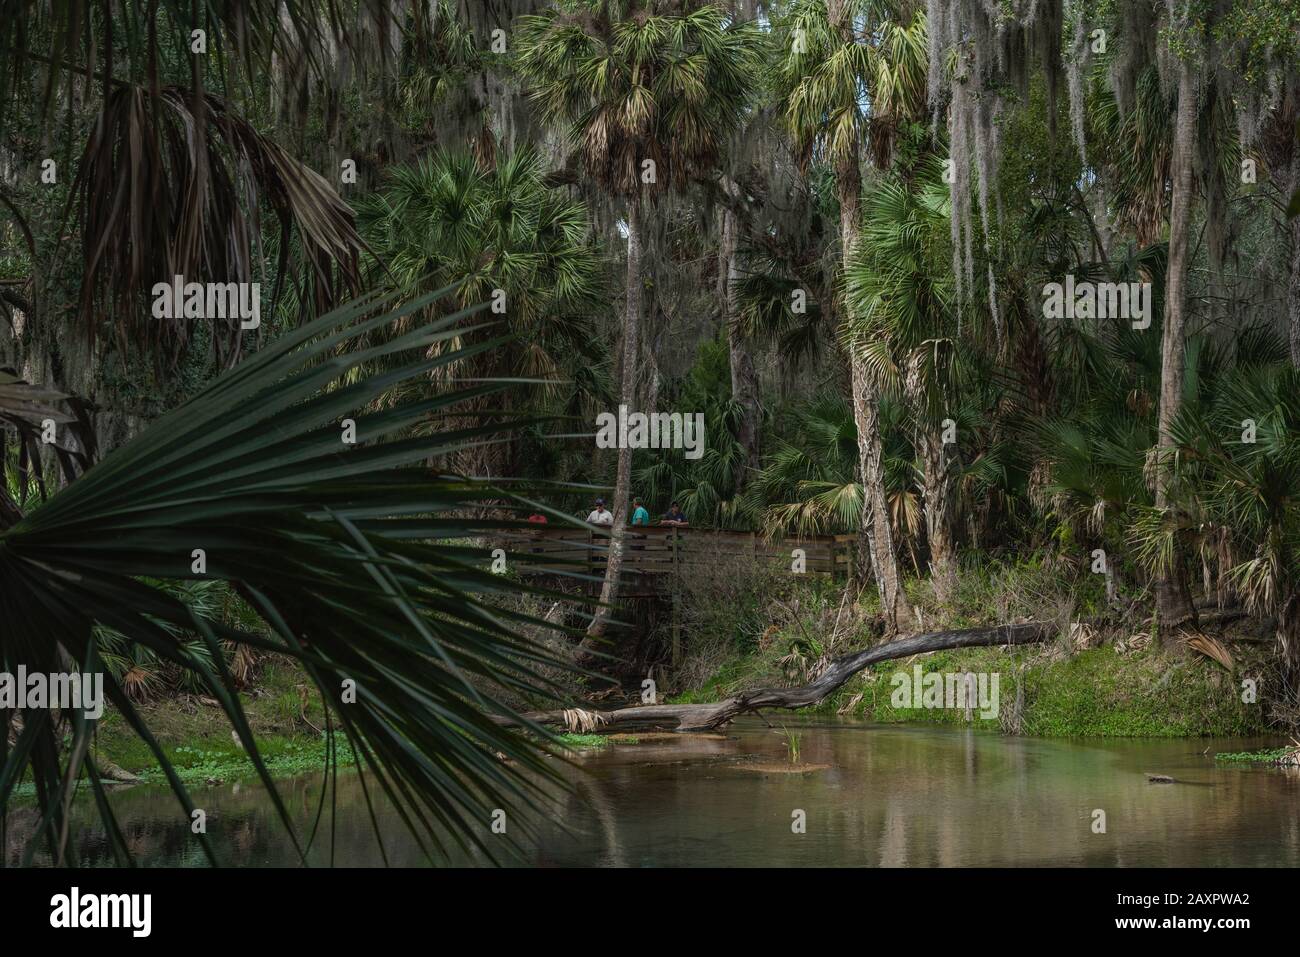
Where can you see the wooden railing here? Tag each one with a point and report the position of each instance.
(660, 550)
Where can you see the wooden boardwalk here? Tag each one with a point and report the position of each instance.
(655, 555)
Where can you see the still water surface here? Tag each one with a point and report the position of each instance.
(888, 796)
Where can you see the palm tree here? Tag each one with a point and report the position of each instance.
(899, 294)
(503, 235)
(708, 488)
(809, 486)
(1173, 603)
(345, 553)
(1251, 491)
(848, 75)
(649, 90)
(744, 378)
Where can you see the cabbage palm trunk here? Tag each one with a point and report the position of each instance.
(627, 396)
(938, 486)
(744, 380)
(651, 92)
(874, 531)
(1173, 602)
(1293, 288)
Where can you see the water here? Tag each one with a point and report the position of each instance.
(889, 796)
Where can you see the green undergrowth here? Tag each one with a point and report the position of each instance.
(285, 715)
(1097, 692)
(1120, 685)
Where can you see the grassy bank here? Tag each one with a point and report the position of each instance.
(287, 721)
(1110, 679)
(1095, 692)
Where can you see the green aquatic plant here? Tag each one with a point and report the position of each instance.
(791, 744)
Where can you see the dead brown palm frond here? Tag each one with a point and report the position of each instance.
(579, 721)
(243, 659)
(1083, 636)
(1291, 757)
(795, 665)
(905, 513)
(165, 191)
(1211, 647)
(140, 683)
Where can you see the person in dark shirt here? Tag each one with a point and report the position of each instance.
(675, 516)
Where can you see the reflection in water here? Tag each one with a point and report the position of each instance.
(892, 796)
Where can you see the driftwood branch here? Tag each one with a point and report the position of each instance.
(712, 715)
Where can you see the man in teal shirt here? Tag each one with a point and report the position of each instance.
(639, 515)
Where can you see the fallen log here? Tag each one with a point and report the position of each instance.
(713, 715)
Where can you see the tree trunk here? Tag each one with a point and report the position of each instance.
(709, 716)
(938, 489)
(623, 481)
(875, 506)
(1293, 289)
(744, 381)
(1173, 604)
(874, 530)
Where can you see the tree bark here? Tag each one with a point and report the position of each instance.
(938, 488)
(623, 480)
(875, 506)
(713, 715)
(874, 530)
(1293, 288)
(744, 381)
(1173, 604)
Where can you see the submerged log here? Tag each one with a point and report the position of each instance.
(712, 715)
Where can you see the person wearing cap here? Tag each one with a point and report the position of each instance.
(675, 516)
(600, 515)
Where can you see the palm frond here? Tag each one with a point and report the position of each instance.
(344, 552)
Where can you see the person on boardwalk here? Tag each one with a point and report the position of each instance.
(600, 515)
(639, 515)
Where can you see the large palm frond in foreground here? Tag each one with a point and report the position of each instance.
(341, 550)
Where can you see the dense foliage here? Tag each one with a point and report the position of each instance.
(850, 233)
